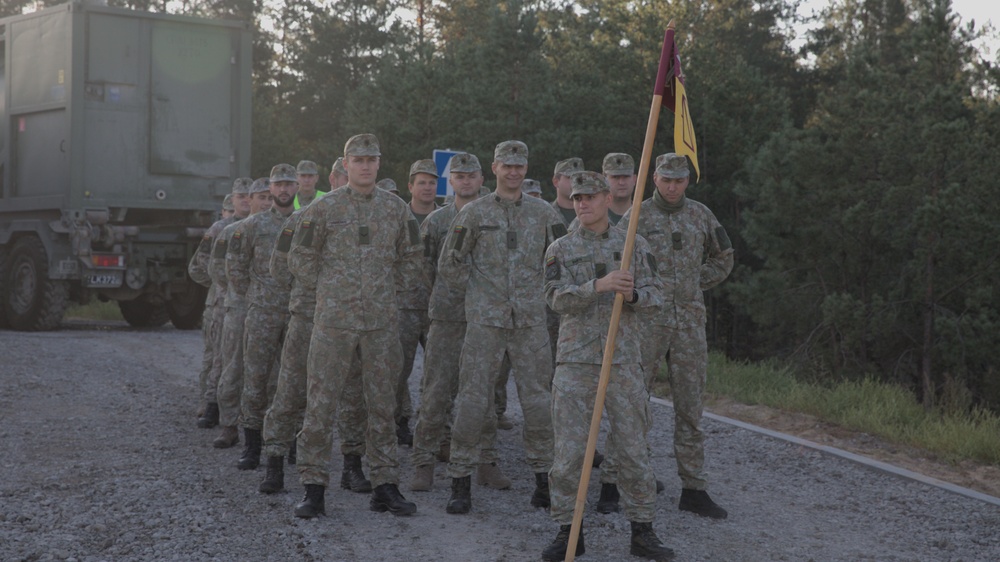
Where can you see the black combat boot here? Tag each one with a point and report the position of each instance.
(540, 497)
(210, 418)
(461, 495)
(353, 477)
(699, 503)
(646, 545)
(387, 498)
(293, 452)
(403, 434)
(312, 504)
(274, 479)
(557, 550)
(250, 459)
(608, 502)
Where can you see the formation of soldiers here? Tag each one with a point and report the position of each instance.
(317, 303)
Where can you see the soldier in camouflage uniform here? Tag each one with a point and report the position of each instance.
(563, 203)
(412, 300)
(211, 323)
(694, 254)
(499, 241)
(228, 210)
(338, 175)
(248, 264)
(230, 385)
(347, 248)
(387, 184)
(445, 339)
(532, 188)
(582, 276)
(307, 175)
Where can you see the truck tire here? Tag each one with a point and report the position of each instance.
(32, 301)
(143, 312)
(186, 309)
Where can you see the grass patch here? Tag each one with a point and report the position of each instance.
(95, 311)
(869, 406)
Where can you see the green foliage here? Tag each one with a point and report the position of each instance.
(96, 311)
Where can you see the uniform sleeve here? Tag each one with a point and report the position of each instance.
(217, 261)
(278, 265)
(563, 293)
(646, 280)
(428, 236)
(556, 228)
(410, 267)
(718, 255)
(458, 244)
(198, 266)
(238, 258)
(304, 253)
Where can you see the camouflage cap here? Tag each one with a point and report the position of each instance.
(512, 153)
(424, 167)
(307, 168)
(531, 186)
(464, 162)
(671, 165)
(365, 144)
(338, 167)
(589, 183)
(242, 185)
(387, 184)
(618, 164)
(568, 167)
(260, 185)
(227, 203)
(284, 172)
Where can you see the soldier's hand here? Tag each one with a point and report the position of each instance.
(617, 281)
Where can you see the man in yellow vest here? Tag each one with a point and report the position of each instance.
(308, 175)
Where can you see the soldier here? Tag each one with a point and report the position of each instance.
(561, 180)
(412, 299)
(693, 253)
(532, 188)
(500, 241)
(387, 184)
(346, 249)
(619, 169)
(228, 209)
(582, 275)
(445, 338)
(248, 265)
(338, 175)
(230, 384)
(307, 175)
(211, 324)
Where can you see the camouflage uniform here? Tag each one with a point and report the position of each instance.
(573, 264)
(211, 328)
(693, 254)
(346, 248)
(230, 385)
(501, 244)
(306, 167)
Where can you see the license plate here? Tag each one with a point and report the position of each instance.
(104, 279)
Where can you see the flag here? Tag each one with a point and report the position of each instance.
(675, 98)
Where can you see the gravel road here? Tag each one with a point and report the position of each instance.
(102, 460)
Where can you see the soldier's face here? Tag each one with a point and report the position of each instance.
(260, 201)
(423, 188)
(307, 184)
(466, 184)
(226, 213)
(592, 209)
(671, 189)
(621, 186)
(509, 176)
(241, 204)
(337, 180)
(362, 170)
(283, 192)
(563, 184)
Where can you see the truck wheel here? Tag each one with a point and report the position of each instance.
(186, 309)
(143, 312)
(32, 301)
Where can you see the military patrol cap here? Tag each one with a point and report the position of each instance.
(365, 144)
(618, 164)
(260, 185)
(284, 172)
(307, 168)
(227, 203)
(242, 185)
(338, 167)
(671, 165)
(531, 186)
(464, 162)
(388, 185)
(511, 153)
(423, 167)
(568, 167)
(589, 183)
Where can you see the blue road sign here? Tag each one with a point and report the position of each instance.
(441, 159)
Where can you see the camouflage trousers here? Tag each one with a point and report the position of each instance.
(209, 334)
(284, 417)
(413, 326)
(437, 394)
(231, 380)
(500, 391)
(531, 363)
(263, 334)
(574, 392)
(331, 353)
(218, 358)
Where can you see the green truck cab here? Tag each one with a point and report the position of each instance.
(120, 133)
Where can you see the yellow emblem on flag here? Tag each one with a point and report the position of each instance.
(685, 142)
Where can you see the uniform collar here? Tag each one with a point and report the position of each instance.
(665, 206)
(590, 235)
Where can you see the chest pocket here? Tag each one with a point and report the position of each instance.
(583, 268)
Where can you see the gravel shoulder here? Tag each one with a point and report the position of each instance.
(102, 461)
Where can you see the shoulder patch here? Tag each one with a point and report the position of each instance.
(551, 268)
(414, 230)
(285, 240)
(306, 233)
(559, 230)
(652, 262)
(723, 238)
(459, 232)
(220, 249)
(236, 242)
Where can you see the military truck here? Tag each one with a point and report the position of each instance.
(120, 132)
